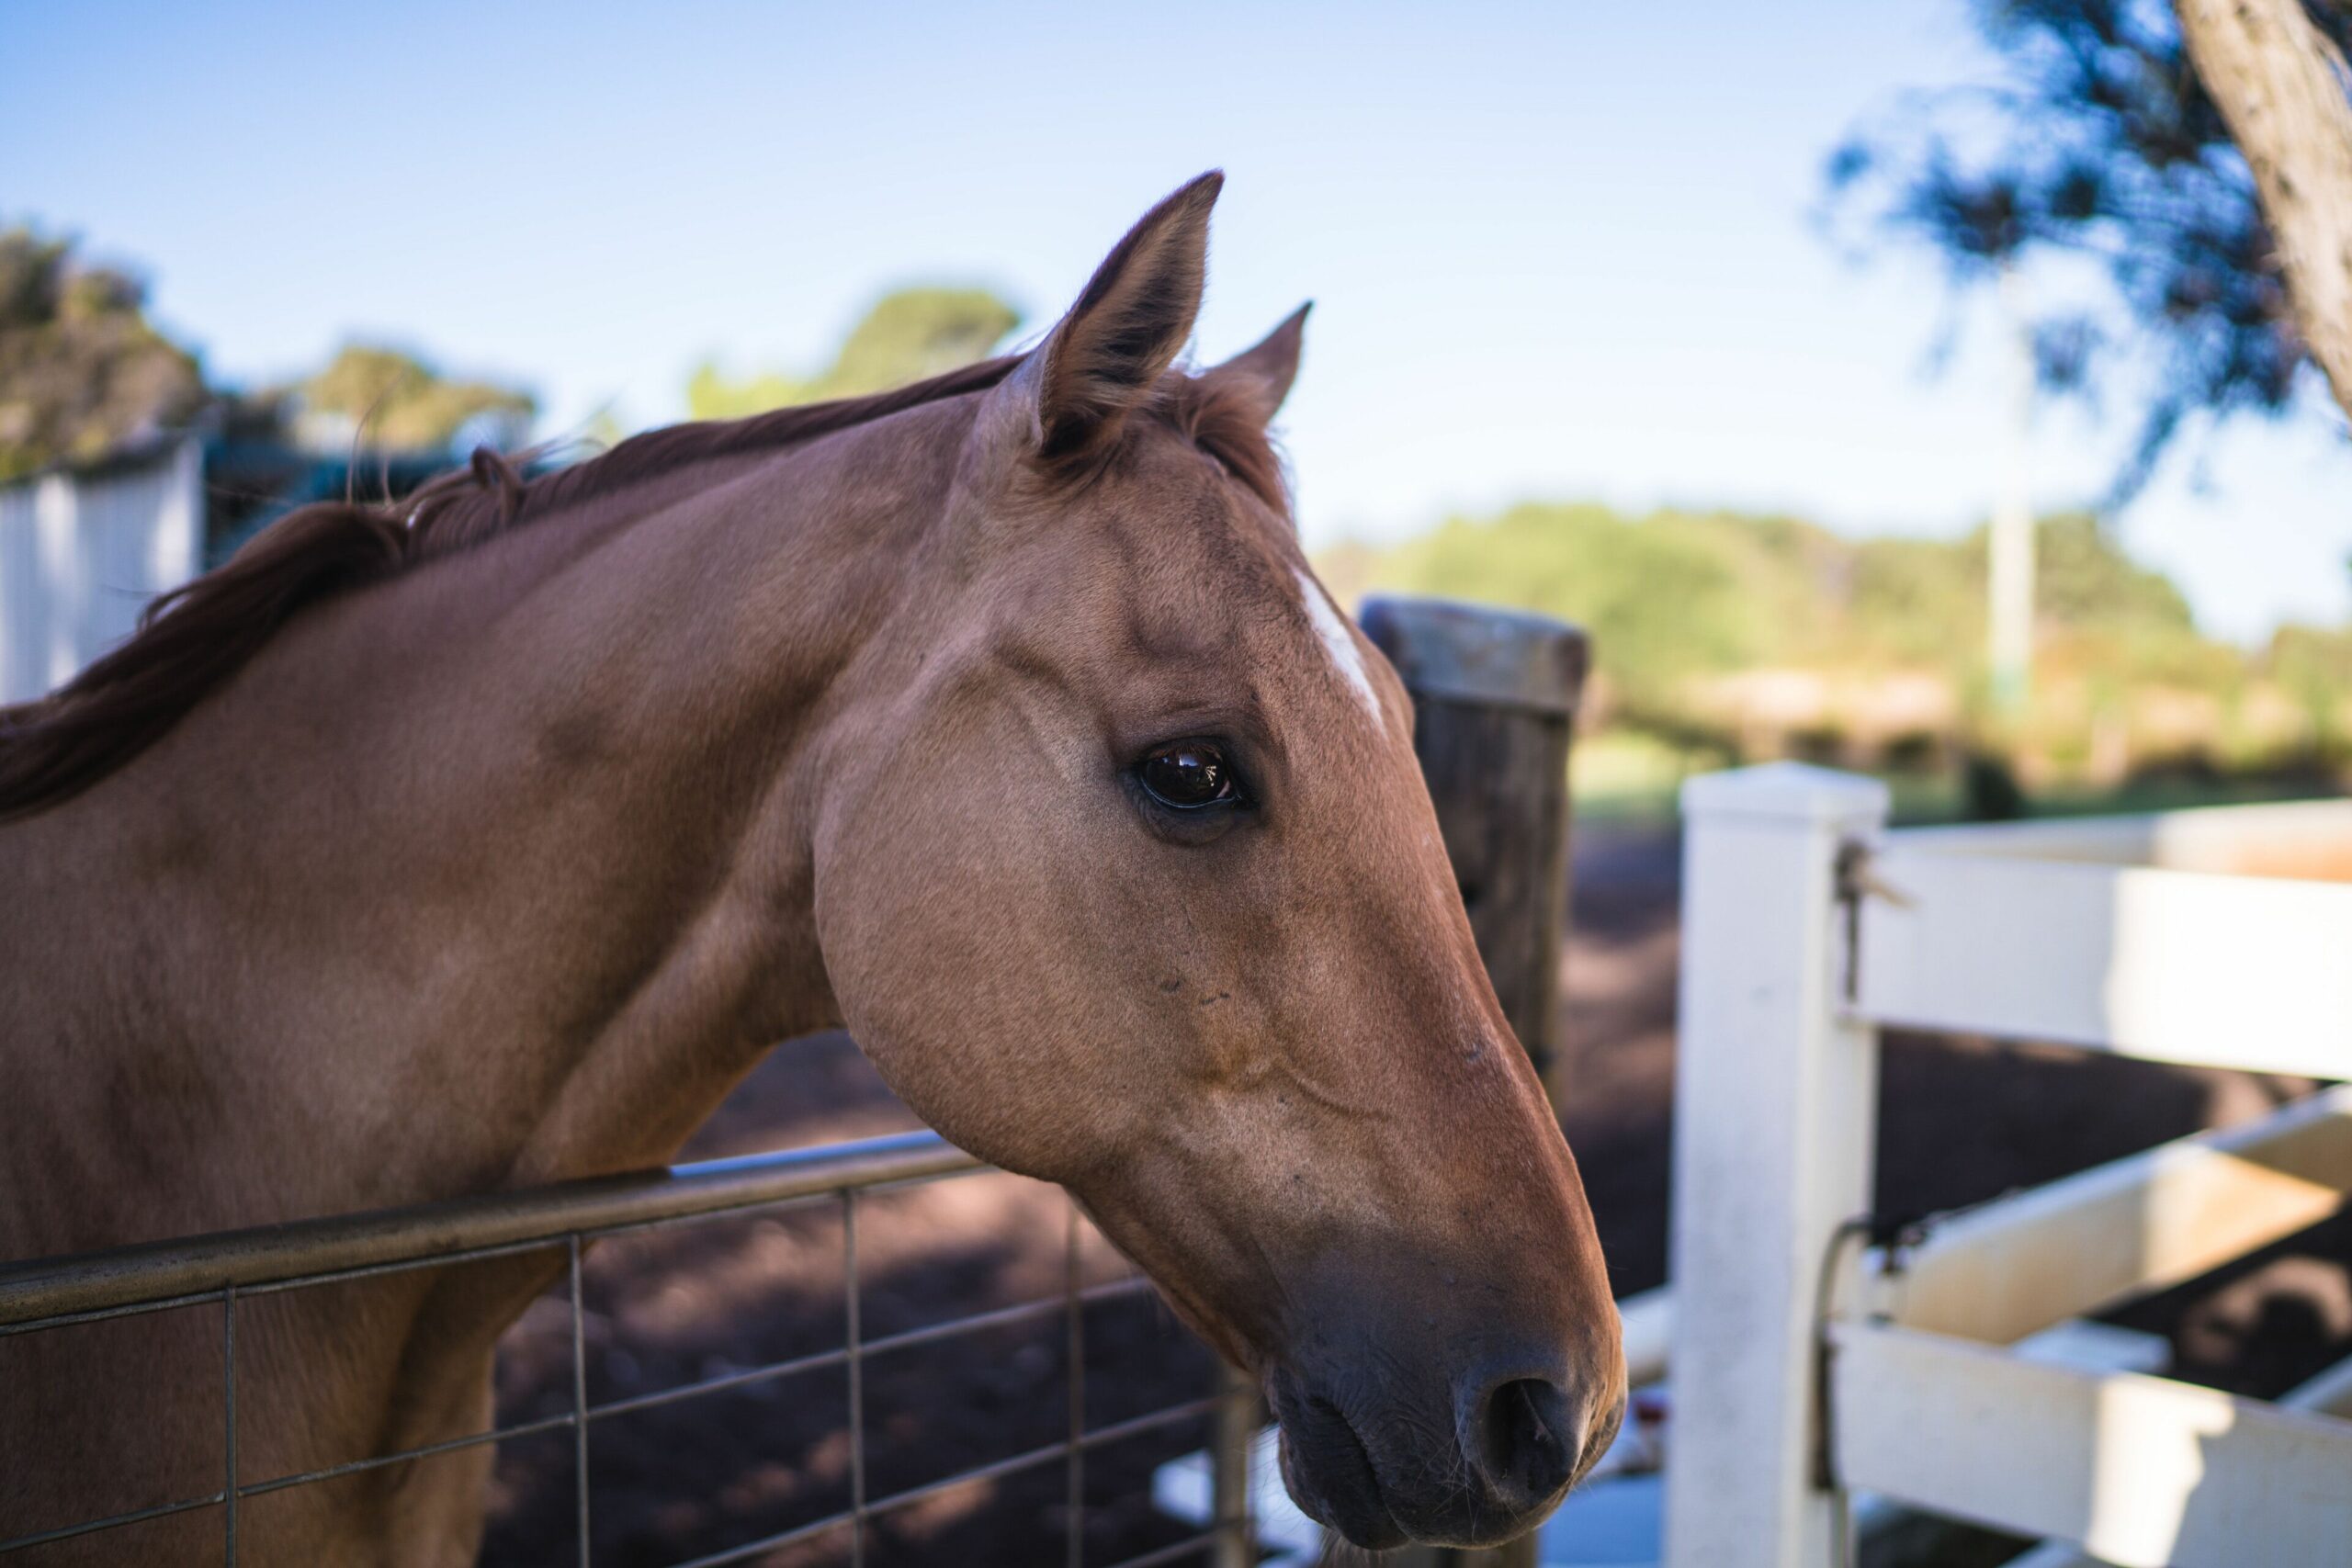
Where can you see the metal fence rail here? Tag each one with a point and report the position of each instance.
(49, 1293)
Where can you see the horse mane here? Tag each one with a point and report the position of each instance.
(192, 639)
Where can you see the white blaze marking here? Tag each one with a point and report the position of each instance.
(1339, 642)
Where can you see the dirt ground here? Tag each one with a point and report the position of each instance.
(710, 1298)
(1962, 1120)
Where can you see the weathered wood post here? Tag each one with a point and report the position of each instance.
(1775, 1100)
(1495, 696)
(1231, 1509)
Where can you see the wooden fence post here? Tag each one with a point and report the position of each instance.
(1495, 694)
(1495, 698)
(1775, 1103)
(1234, 1431)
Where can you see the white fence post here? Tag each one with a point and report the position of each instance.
(1775, 1113)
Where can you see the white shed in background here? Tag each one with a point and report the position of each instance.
(81, 553)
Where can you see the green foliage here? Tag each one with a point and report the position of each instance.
(1663, 597)
(2083, 579)
(1674, 594)
(908, 335)
(81, 371)
(1918, 595)
(2303, 656)
(398, 402)
(2314, 665)
(2118, 616)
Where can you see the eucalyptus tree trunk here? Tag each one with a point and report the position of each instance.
(2282, 89)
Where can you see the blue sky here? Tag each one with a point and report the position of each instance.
(1557, 251)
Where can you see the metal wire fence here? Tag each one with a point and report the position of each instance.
(231, 1267)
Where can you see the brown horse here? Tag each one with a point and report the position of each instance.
(488, 841)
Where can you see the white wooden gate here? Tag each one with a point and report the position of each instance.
(1803, 1362)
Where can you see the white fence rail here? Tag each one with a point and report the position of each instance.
(2139, 1224)
(2142, 1471)
(2173, 965)
(1798, 1357)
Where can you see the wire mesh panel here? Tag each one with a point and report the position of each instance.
(230, 1273)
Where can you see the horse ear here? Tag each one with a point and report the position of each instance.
(1127, 327)
(1260, 378)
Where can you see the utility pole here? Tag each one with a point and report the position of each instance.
(2010, 586)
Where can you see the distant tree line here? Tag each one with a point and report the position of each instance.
(391, 399)
(83, 371)
(906, 335)
(1683, 605)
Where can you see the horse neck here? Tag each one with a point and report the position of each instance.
(497, 872)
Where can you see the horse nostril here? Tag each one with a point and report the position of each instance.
(1524, 1441)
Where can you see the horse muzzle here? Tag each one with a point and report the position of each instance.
(1471, 1459)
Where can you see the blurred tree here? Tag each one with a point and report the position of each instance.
(1676, 594)
(2085, 581)
(2104, 143)
(396, 401)
(2314, 665)
(1665, 597)
(81, 370)
(909, 334)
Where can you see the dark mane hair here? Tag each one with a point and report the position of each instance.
(193, 638)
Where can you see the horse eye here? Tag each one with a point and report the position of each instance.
(1188, 775)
